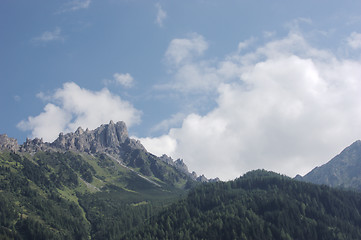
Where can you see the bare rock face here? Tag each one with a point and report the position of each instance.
(112, 138)
(167, 159)
(34, 145)
(7, 143)
(180, 165)
(202, 178)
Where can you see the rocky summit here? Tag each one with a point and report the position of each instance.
(341, 171)
(7, 143)
(110, 138)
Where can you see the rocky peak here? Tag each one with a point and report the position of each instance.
(34, 145)
(179, 164)
(110, 137)
(202, 178)
(167, 159)
(7, 143)
(341, 171)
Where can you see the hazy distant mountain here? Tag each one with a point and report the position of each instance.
(341, 171)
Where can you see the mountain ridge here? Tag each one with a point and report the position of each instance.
(109, 138)
(342, 171)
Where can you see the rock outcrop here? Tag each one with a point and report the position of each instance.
(7, 143)
(111, 138)
(181, 166)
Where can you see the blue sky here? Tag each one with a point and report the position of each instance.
(228, 86)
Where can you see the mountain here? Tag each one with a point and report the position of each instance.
(342, 171)
(258, 205)
(101, 184)
(111, 139)
(88, 184)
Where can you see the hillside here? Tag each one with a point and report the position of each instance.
(97, 184)
(259, 205)
(342, 171)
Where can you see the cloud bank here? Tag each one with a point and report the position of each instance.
(285, 106)
(71, 107)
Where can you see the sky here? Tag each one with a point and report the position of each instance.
(228, 86)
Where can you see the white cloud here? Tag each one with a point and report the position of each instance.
(286, 107)
(166, 124)
(161, 15)
(73, 106)
(75, 5)
(243, 45)
(159, 146)
(354, 40)
(182, 50)
(125, 80)
(189, 74)
(49, 36)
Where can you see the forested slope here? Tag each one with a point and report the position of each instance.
(71, 195)
(259, 205)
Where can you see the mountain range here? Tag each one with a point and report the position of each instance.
(101, 184)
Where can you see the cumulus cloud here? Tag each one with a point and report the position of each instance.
(161, 15)
(161, 145)
(189, 73)
(354, 40)
(285, 106)
(124, 79)
(72, 106)
(182, 50)
(49, 36)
